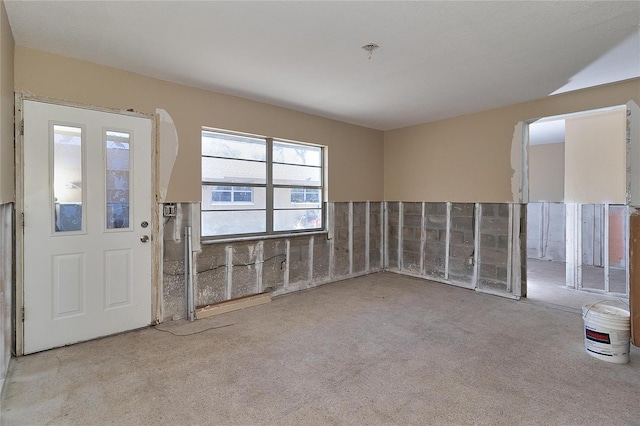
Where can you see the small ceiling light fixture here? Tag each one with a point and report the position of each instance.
(369, 48)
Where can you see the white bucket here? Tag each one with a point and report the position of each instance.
(607, 331)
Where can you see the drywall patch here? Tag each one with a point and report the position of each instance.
(518, 165)
(168, 147)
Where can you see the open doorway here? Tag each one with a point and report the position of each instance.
(577, 215)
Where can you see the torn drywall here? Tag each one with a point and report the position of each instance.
(168, 146)
(519, 166)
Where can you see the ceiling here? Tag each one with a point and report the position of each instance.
(436, 59)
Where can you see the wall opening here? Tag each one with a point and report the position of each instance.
(576, 211)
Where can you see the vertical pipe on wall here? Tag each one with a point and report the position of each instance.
(447, 242)
(188, 273)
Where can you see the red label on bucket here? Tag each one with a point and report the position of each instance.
(597, 337)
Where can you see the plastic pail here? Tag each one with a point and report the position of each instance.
(607, 330)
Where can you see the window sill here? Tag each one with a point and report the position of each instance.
(264, 237)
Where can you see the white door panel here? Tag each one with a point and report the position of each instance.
(87, 192)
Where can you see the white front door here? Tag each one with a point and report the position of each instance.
(87, 221)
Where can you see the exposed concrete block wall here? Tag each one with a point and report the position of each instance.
(393, 232)
(224, 271)
(494, 247)
(439, 241)
(435, 251)
(462, 243)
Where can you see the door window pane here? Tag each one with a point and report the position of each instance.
(67, 178)
(118, 158)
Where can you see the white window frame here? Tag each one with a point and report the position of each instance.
(271, 188)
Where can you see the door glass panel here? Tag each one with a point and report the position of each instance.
(67, 179)
(117, 179)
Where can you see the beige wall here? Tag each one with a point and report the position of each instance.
(7, 186)
(355, 153)
(595, 158)
(468, 158)
(546, 172)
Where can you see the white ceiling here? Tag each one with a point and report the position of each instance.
(436, 59)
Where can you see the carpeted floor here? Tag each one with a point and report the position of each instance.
(380, 349)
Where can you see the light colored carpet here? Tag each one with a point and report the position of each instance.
(380, 349)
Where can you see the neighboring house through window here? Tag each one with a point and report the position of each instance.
(259, 186)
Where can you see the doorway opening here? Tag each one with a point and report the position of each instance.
(577, 213)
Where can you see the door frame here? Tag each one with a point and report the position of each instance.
(156, 294)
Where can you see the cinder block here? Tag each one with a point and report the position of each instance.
(174, 296)
(244, 281)
(211, 286)
(321, 248)
(412, 220)
(462, 209)
(493, 256)
(274, 256)
(487, 240)
(432, 208)
(299, 259)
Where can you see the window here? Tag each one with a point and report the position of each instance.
(304, 195)
(231, 194)
(259, 186)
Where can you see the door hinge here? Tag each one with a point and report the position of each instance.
(22, 219)
(23, 314)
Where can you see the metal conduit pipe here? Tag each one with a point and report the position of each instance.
(188, 273)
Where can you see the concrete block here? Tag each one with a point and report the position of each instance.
(174, 296)
(461, 223)
(462, 209)
(435, 222)
(436, 209)
(412, 208)
(299, 260)
(493, 256)
(488, 240)
(412, 220)
(460, 251)
(211, 286)
(411, 246)
(274, 254)
(244, 281)
(173, 250)
(492, 285)
(321, 249)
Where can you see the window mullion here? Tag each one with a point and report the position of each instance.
(269, 211)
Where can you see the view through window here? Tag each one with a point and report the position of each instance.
(253, 185)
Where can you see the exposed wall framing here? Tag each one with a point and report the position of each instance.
(469, 245)
(231, 270)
